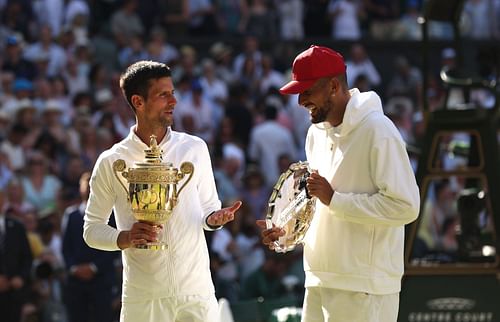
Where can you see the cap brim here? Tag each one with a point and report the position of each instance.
(296, 87)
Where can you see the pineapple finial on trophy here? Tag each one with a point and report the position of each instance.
(154, 153)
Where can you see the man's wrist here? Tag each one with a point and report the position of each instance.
(123, 240)
(212, 227)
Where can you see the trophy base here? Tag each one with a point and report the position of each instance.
(152, 246)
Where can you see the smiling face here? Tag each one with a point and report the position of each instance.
(156, 111)
(323, 100)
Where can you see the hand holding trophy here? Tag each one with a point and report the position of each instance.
(152, 192)
(290, 209)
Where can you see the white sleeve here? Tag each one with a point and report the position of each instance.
(96, 231)
(207, 190)
(397, 200)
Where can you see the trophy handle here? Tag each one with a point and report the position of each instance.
(186, 168)
(118, 166)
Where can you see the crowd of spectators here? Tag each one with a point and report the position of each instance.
(60, 107)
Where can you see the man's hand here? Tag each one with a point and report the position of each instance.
(140, 234)
(4, 283)
(223, 216)
(84, 272)
(270, 235)
(319, 187)
(16, 282)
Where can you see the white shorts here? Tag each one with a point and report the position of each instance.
(333, 305)
(191, 308)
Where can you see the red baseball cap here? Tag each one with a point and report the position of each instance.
(312, 64)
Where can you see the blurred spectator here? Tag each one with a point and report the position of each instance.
(359, 63)
(250, 251)
(195, 115)
(187, 67)
(231, 15)
(47, 291)
(15, 265)
(383, 16)
(16, 204)
(345, 16)
(234, 157)
(214, 89)
(266, 282)
(76, 76)
(15, 62)
(133, 51)
(301, 123)
(70, 178)
(6, 173)
(90, 272)
(12, 148)
(250, 51)
(238, 111)
(270, 78)
(225, 172)
(27, 118)
(400, 110)
(4, 125)
(225, 249)
(478, 16)
(6, 87)
(408, 27)
(40, 187)
(261, 20)
(23, 90)
(18, 16)
(46, 49)
(250, 76)
(30, 221)
(51, 13)
(99, 79)
(222, 55)
(435, 213)
(406, 81)
(202, 20)
(175, 16)
(90, 147)
(255, 192)
(291, 19)
(159, 49)
(126, 23)
(76, 19)
(268, 141)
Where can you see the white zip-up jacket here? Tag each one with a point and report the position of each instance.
(183, 268)
(356, 242)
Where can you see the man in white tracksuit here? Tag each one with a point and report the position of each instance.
(366, 190)
(158, 285)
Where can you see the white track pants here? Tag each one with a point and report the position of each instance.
(171, 309)
(333, 305)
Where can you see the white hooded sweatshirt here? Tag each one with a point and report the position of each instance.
(356, 243)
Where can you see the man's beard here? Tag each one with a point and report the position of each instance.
(321, 113)
(165, 121)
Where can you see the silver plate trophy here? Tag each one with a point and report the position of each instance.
(291, 207)
(152, 187)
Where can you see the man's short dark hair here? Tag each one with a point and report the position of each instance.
(136, 79)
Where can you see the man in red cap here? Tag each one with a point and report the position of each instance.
(366, 191)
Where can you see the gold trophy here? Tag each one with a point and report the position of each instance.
(152, 191)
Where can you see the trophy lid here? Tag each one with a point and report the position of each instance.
(153, 155)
